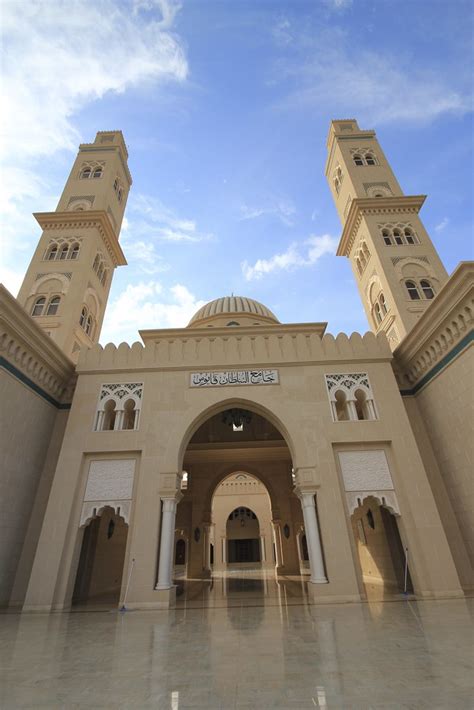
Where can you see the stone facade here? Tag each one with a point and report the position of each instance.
(122, 470)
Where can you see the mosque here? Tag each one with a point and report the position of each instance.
(237, 442)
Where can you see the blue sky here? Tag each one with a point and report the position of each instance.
(225, 107)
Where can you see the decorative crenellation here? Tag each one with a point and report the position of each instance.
(350, 396)
(188, 350)
(447, 322)
(119, 406)
(51, 275)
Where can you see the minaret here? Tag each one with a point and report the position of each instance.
(396, 266)
(68, 281)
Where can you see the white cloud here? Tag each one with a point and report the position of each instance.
(77, 52)
(338, 4)
(281, 208)
(442, 225)
(147, 305)
(143, 255)
(149, 217)
(310, 251)
(57, 58)
(330, 71)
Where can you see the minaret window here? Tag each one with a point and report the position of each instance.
(120, 195)
(427, 289)
(64, 251)
(412, 290)
(97, 173)
(86, 173)
(96, 263)
(369, 159)
(83, 318)
(52, 253)
(38, 306)
(109, 416)
(129, 413)
(88, 327)
(386, 237)
(378, 313)
(53, 306)
(383, 304)
(398, 236)
(358, 160)
(409, 236)
(74, 251)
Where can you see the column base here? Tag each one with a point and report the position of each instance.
(317, 595)
(163, 599)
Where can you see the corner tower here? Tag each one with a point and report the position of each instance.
(396, 266)
(68, 280)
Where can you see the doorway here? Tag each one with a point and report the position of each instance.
(100, 569)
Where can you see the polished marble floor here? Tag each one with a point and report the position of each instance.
(240, 642)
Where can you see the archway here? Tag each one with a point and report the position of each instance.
(380, 550)
(243, 537)
(237, 499)
(100, 569)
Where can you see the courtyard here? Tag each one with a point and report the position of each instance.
(242, 640)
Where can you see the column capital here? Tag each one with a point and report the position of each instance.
(307, 476)
(170, 502)
(306, 495)
(170, 484)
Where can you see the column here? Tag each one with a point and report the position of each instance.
(207, 547)
(165, 577)
(318, 575)
(262, 549)
(277, 539)
(224, 550)
(351, 408)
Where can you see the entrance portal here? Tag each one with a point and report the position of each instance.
(380, 549)
(243, 537)
(100, 569)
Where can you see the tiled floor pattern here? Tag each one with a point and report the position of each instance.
(248, 654)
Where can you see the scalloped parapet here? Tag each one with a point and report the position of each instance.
(184, 349)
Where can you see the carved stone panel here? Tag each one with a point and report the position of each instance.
(110, 480)
(365, 470)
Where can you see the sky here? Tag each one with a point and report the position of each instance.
(225, 107)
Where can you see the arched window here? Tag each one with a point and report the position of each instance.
(96, 263)
(427, 289)
(359, 266)
(361, 404)
(74, 251)
(116, 184)
(37, 309)
(86, 173)
(369, 159)
(100, 271)
(398, 236)
(53, 306)
(337, 185)
(83, 318)
(377, 313)
(339, 172)
(88, 327)
(383, 304)
(363, 260)
(120, 195)
(358, 160)
(232, 322)
(97, 173)
(409, 236)
(366, 251)
(104, 277)
(129, 415)
(63, 252)
(386, 237)
(52, 253)
(412, 290)
(109, 416)
(342, 412)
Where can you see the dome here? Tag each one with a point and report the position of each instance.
(221, 309)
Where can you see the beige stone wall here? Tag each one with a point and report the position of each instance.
(172, 410)
(445, 407)
(27, 431)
